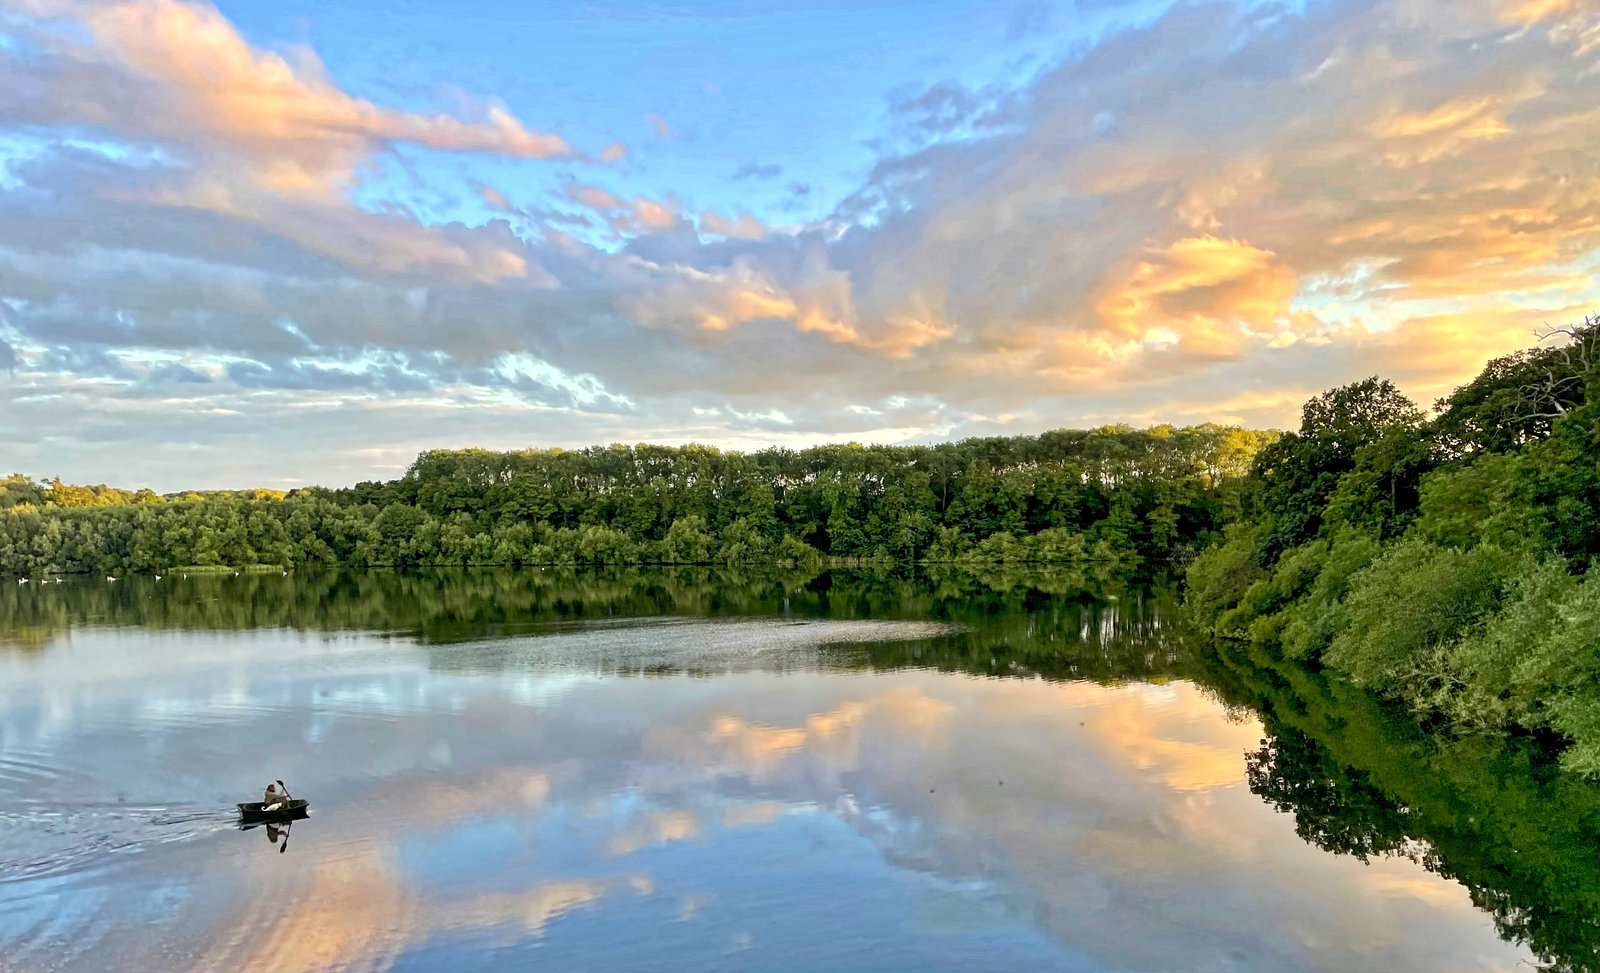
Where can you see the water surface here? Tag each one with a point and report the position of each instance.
(683, 771)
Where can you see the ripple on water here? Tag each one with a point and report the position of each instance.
(41, 840)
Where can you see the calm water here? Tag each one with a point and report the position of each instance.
(720, 771)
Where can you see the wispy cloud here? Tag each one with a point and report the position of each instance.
(758, 170)
(659, 125)
(1217, 211)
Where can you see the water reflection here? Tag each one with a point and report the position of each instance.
(1361, 780)
(274, 830)
(675, 771)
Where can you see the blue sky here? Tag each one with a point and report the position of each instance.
(760, 96)
(256, 244)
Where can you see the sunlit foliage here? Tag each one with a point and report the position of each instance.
(1450, 562)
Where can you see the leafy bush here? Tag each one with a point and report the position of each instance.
(1403, 610)
(1217, 579)
(1535, 664)
(1447, 563)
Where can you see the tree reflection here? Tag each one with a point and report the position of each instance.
(1359, 778)
(1362, 778)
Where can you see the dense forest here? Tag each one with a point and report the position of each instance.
(1119, 495)
(1449, 562)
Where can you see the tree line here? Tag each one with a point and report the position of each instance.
(1447, 562)
(1120, 495)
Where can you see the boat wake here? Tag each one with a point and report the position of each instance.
(41, 840)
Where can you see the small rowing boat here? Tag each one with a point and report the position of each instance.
(277, 810)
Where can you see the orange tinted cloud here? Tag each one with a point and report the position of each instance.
(1435, 351)
(291, 121)
(1533, 11)
(719, 302)
(1203, 292)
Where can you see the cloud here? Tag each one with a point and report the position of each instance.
(1202, 293)
(493, 198)
(206, 123)
(946, 107)
(593, 197)
(639, 215)
(649, 214)
(1218, 211)
(660, 126)
(757, 170)
(1431, 351)
(178, 73)
(614, 152)
(1028, 17)
(746, 227)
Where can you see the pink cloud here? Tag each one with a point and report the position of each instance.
(593, 197)
(746, 227)
(660, 125)
(494, 198)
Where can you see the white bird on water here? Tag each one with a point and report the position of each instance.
(110, 578)
(158, 577)
(23, 581)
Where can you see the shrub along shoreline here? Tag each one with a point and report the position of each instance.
(1446, 562)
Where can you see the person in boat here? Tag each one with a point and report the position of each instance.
(272, 797)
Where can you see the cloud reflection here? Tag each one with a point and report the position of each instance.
(1109, 822)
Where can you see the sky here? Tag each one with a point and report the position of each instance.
(254, 244)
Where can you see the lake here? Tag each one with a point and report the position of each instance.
(729, 770)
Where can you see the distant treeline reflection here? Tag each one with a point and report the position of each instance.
(1069, 621)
